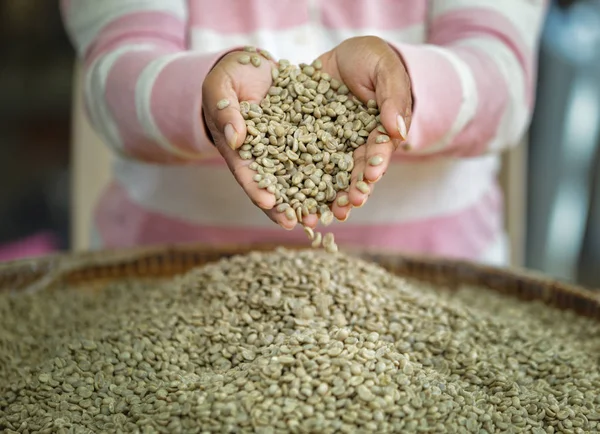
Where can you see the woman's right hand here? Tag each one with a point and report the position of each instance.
(231, 80)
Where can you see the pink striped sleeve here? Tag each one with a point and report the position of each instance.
(473, 82)
(142, 86)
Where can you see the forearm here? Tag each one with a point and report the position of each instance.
(143, 88)
(473, 82)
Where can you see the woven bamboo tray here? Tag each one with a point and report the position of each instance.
(96, 269)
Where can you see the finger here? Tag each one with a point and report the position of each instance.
(379, 150)
(220, 93)
(341, 206)
(393, 95)
(261, 197)
(222, 110)
(310, 220)
(356, 196)
(283, 216)
(360, 189)
(245, 177)
(359, 197)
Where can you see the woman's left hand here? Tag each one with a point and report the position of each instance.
(372, 70)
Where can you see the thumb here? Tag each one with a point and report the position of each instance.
(228, 83)
(221, 109)
(393, 95)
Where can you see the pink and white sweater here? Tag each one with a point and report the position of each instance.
(471, 62)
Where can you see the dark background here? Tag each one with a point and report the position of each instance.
(35, 102)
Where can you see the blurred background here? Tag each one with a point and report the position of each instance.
(556, 175)
(35, 110)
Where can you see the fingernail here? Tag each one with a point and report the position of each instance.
(231, 136)
(371, 179)
(345, 218)
(402, 127)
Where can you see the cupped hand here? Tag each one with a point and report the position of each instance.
(227, 84)
(372, 70)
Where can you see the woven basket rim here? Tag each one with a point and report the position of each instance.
(41, 273)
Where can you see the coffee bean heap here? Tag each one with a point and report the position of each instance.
(293, 341)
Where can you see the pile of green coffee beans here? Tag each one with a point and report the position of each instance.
(293, 341)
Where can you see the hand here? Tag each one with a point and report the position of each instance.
(235, 82)
(372, 70)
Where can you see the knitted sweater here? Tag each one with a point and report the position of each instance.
(472, 66)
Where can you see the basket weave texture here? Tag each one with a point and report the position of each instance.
(96, 269)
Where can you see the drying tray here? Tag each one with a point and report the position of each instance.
(97, 269)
